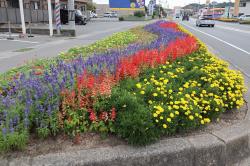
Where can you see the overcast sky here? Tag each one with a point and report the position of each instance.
(171, 3)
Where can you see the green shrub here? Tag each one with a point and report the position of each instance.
(121, 18)
(139, 13)
(133, 121)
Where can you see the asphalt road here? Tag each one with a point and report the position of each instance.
(229, 41)
(12, 55)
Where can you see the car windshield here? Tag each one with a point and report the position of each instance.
(203, 18)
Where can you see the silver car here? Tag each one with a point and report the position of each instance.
(204, 21)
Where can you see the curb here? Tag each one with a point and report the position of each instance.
(223, 147)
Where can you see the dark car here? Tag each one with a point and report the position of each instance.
(185, 17)
(79, 17)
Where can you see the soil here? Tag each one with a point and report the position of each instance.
(63, 143)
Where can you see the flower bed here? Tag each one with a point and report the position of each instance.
(116, 42)
(127, 92)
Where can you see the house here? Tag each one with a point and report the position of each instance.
(244, 7)
(35, 11)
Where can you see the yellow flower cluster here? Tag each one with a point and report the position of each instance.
(196, 100)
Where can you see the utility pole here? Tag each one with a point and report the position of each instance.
(71, 11)
(50, 18)
(22, 17)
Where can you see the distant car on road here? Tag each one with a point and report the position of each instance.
(244, 18)
(110, 14)
(177, 15)
(93, 15)
(185, 17)
(205, 21)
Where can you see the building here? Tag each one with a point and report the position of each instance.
(244, 7)
(101, 9)
(43, 4)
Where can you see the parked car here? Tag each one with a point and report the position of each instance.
(244, 18)
(79, 17)
(110, 14)
(205, 21)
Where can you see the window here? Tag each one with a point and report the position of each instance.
(243, 4)
(13, 3)
(34, 5)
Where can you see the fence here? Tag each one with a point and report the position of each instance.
(30, 15)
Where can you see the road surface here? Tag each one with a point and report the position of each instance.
(12, 55)
(230, 41)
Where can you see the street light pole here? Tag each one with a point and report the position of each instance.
(22, 17)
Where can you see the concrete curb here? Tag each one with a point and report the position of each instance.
(223, 147)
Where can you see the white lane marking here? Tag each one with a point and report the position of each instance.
(232, 29)
(22, 41)
(223, 41)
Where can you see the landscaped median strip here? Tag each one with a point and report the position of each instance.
(140, 93)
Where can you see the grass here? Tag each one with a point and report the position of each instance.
(23, 49)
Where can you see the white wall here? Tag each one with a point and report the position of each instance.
(245, 10)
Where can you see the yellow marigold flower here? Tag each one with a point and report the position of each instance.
(150, 102)
(207, 120)
(155, 115)
(176, 107)
(191, 117)
(138, 85)
(156, 120)
(171, 115)
(168, 119)
(202, 122)
(177, 112)
(164, 126)
(155, 94)
(161, 117)
(217, 109)
(180, 89)
(142, 92)
(170, 91)
(222, 88)
(165, 81)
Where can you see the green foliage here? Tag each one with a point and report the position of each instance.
(139, 13)
(133, 119)
(121, 18)
(13, 141)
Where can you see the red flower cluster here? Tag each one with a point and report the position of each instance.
(131, 66)
(95, 85)
(103, 115)
(169, 25)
